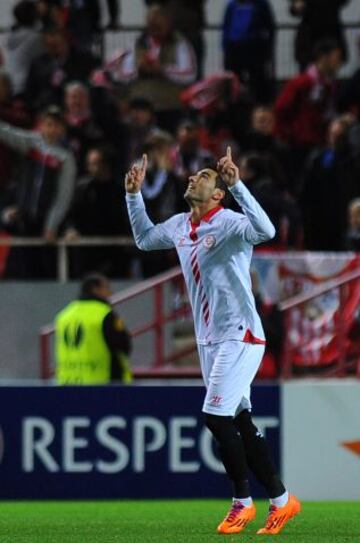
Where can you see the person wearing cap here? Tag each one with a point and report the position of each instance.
(44, 191)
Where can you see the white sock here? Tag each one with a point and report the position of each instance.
(246, 502)
(280, 501)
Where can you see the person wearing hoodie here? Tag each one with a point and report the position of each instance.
(23, 45)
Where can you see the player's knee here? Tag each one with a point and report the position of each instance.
(218, 425)
(245, 425)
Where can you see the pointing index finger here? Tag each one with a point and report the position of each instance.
(144, 163)
(228, 152)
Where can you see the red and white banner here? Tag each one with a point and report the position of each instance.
(312, 328)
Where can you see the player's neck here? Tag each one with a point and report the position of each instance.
(197, 212)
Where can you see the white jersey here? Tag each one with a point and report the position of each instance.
(215, 257)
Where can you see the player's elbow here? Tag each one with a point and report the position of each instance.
(266, 234)
(142, 243)
(270, 231)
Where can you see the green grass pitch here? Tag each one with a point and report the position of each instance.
(172, 521)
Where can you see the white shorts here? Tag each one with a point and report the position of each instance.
(228, 369)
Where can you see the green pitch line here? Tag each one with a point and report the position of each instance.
(172, 521)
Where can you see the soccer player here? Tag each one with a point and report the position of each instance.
(215, 247)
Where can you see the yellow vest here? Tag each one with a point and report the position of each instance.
(82, 355)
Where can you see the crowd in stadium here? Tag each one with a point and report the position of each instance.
(71, 124)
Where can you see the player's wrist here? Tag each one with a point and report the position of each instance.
(231, 182)
(237, 185)
(132, 195)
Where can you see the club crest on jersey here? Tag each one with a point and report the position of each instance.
(209, 241)
(181, 242)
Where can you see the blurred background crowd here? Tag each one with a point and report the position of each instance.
(71, 123)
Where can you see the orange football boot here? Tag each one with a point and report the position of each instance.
(237, 519)
(279, 516)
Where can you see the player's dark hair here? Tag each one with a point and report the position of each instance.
(324, 48)
(91, 281)
(219, 182)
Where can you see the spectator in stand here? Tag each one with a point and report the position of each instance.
(81, 16)
(43, 193)
(162, 63)
(350, 95)
(50, 13)
(262, 178)
(141, 123)
(23, 44)
(98, 210)
(189, 19)
(59, 65)
(163, 196)
(223, 105)
(113, 8)
(352, 237)
(307, 103)
(248, 37)
(187, 155)
(12, 110)
(320, 20)
(261, 139)
(331, 181)
(83, 129)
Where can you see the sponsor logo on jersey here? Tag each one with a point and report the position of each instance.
(209, 241)
(216, 401)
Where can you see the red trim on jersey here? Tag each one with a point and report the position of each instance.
(211, 213)
(193, 234)
(197, 278)
(250, 338)
(205, 218)
(194, 261)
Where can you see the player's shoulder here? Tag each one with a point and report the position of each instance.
(177, 219)
(231, 216)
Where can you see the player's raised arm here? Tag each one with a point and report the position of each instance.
(259, 227)
(148, 236)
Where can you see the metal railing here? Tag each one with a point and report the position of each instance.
(341, 365)
(164, 365)
(63, 244)
(285, 66)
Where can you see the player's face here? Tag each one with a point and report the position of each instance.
(201, 187)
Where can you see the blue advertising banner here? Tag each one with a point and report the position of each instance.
(116, 442)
